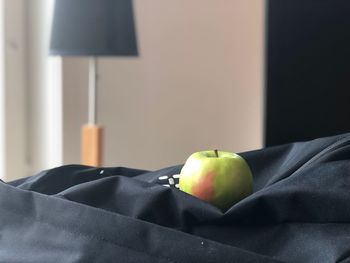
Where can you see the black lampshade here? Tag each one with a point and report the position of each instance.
(93, 28)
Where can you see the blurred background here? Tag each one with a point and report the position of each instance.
(231, 75)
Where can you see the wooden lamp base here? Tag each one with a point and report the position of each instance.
(91, 145)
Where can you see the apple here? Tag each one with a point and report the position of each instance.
(220, 178)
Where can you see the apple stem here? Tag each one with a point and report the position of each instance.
(216, 153)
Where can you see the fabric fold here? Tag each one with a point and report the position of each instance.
(299, 212)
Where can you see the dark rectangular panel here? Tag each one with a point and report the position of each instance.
(308, 69)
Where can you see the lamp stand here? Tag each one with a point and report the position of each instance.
(91, 133)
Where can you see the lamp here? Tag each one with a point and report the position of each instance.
(93, 28)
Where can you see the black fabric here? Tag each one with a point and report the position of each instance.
(299, 212)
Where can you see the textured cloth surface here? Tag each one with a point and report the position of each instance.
(299, 212)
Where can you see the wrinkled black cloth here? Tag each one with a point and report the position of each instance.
(299, 212)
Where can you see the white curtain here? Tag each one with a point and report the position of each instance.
(30, 90)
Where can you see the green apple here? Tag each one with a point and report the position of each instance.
(220, 178)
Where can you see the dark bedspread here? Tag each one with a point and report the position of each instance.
(299, 212)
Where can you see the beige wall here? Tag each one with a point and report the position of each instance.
(198, 84)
